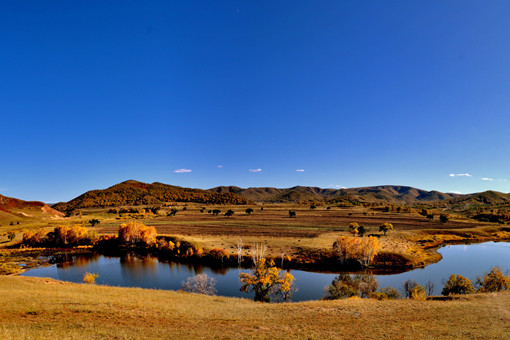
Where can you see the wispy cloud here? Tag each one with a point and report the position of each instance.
(461, 175)
(300, 170)
(255, 170)
(487, 179)
(182, 171)
(220, 166)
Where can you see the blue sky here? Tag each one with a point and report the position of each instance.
(93, 93)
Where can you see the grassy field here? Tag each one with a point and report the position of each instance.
(411, 243)
(34, 308)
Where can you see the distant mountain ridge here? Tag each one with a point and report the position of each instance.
(386, 193)
(138, 193)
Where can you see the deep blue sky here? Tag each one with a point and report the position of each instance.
(354, 93)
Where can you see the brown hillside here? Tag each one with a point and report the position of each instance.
(137, 193)
(13, 207)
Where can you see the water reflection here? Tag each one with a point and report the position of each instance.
(148, 272)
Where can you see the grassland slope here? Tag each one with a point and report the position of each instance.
(36, 308)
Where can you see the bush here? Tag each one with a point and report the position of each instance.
(388, 293)
(457, 284)
(90, 278)
(493, 281)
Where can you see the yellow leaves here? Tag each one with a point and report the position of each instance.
(265, 276)
(134, 233)
(359, 249)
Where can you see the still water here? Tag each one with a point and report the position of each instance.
(130, 271)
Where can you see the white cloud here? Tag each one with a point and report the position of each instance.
(220, 166)
(487, 179)
(460, 175)
(255, 170)
(300, 170)
(455, 192)
(181, 171)
(336, 186)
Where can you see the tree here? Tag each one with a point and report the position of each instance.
(493, 281)
(443, 218)
(361, 230)
(229, 213)
(385, 227)
(11, 235)
(292, 214)
(457, 284)
(248, 211)
(94, 221)
(215, 212)
(353, 228)
(200, 284)
(265, 276)
(172, 212)
(313, 206)
(430, 217)
(90, 278)
(361, 250)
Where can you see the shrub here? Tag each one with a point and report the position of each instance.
(418, 293)
(493, 281)
(457, 284)
(200, 284)
(292, 214)
(388, 293)
(90, 278)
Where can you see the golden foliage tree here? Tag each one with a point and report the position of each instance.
(457, 284)
(385, 227)
(493, 281)
(265, 278)
(362, 250)
(135, 233)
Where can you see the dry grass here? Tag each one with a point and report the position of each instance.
(35, 308)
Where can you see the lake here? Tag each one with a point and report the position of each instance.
(148, 272)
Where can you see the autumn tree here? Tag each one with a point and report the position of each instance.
(493, 281)
(385, 227)
(353, 228)
(457, 284)
(11, 235)
(361, 250)
(264, 278)
(134, 233)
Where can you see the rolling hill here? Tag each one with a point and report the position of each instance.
(138, 193)
(384, 193)
(15, 210)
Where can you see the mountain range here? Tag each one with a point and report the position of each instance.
(138, 193)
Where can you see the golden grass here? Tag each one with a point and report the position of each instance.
(34, 308)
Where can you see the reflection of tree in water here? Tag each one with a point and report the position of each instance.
(347, 285)
(66, 260)
(138, 265)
